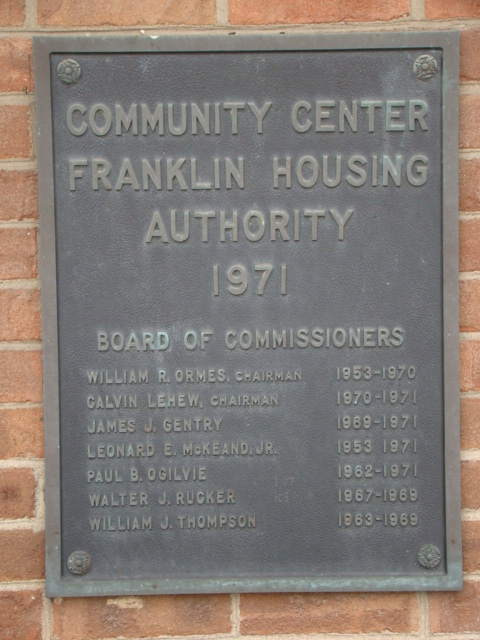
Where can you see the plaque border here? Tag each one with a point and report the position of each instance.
(448, 41)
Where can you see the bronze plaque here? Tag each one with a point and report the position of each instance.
(249, 278)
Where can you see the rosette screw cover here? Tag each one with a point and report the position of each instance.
(429, 556)
(79, 563)
(69, 71)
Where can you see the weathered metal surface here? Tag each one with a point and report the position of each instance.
(249, 277)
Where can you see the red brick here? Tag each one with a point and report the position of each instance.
(21, 615)
(470, 484)
(471, 546)
(22, 555)
(20, 317)
(456, 611)
(17, 493)
(444, 9)
(469, 365)
(469, 55)
(306, 11)
(470, 423)
(20, 376)
(470, 305)
(15, 135)
(470, 244)
(469, 185)
(16, 63)
(96, 618)
(12, 13)
(19, 191)
(61, 13)
(22, 433)
(18, 253)
(470, 121)
(328, 613)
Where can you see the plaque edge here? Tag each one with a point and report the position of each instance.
(448, 41)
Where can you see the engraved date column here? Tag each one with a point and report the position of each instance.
(377, 446)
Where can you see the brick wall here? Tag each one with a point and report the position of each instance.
(25, 613)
